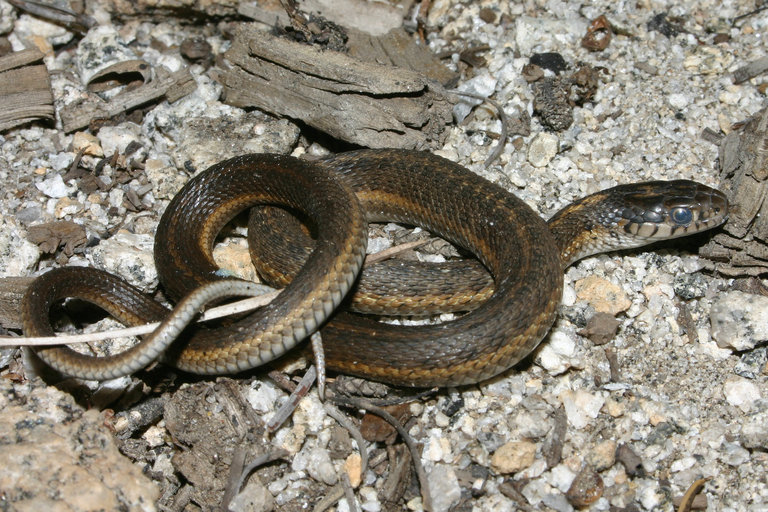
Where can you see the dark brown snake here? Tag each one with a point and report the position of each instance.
(338, 197)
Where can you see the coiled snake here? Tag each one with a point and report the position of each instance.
(337, 197)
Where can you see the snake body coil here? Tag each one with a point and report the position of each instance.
(524, 256)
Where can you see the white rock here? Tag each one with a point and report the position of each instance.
(55, 187)
(444, 486)
(482, 84)
(18, 256)
(648, 493)
(754, 432)
(561, 477)
(530, 32)
(569, 295)
(734, 454)
(742, 393)
(543, 148)
(254, 497)
(581, 406)
(130, 256)
(114, 139)
(555, 356)
(7, 17)
(739, 320)
(262, 396)
(29, 27)
(679, 101)
(316, 461)
(437, 448)
(370, 500)
(154, 436)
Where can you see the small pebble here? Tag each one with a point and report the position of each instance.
(513, 456)
(603, 295)
(445, 488)
(602, 456)
(542, 149)
(739, 320)
(353, 467)
(54, 186)
(741, 393)
(581, 406)
(555, 356)
(586, 488)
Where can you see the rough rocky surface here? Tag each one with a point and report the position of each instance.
(628, 424)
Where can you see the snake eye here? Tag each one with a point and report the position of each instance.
(681, 216)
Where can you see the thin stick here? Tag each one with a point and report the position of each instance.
(213, 313)
(504, 123)
(345, 422)
(374, 258)
(316, 340)
(285, 411)
(218, 312)
(350, 401)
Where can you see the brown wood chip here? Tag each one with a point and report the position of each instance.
(25, 89)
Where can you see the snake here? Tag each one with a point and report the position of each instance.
(508, 294)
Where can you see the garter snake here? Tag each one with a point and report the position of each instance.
(524, 255)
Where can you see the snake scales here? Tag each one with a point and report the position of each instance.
(524, 255)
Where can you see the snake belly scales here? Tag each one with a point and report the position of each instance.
(509, 313)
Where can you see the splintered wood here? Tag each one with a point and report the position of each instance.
(25, 89)
(168, 86)
(741, 249)
(364, 103)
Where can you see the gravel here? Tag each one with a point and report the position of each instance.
(680, 392)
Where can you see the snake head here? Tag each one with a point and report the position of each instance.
(634, 215)
(661, 210)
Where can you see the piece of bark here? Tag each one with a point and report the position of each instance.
(11, 293)
(168, 86)
(191, 10)
(59, 15)
(368, 104)
(365, 40)
(741, 246)
(375, 18)
(25, 89)
(398, 48)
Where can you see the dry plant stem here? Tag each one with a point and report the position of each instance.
(330, 499)
(235, 478)
(397, 400)
(288, 407)
(690, 494)
(247, 470)
(349, 493)
(345, 422)
(420, 473)
(218, 312)
(374, 258)
(60, 15)
(504, 123)
(317, 349)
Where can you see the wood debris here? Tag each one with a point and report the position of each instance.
(168, 86)
(740, 249)
(63, 234)
(25, 89)
(364, 103)
(12, 291)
